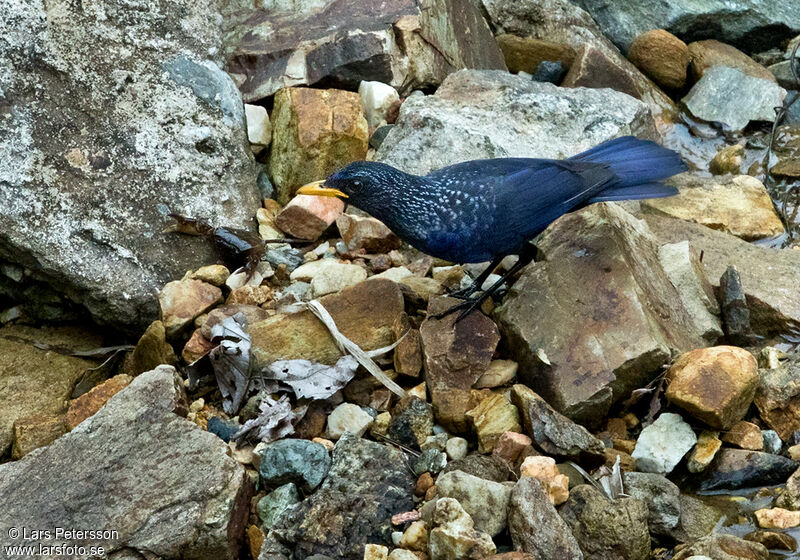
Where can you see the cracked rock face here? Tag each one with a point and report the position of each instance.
(107, 112)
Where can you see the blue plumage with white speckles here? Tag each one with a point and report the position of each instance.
(479, 210)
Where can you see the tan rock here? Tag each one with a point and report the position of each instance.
(510, 445)
(408, 353)
(624, 445)
(33, 432)
(380, 425)
(266, 220)
(737, 205)
(375, 552)
(88, 404)
(500, 372)
(715, 385)
(525, 54)
(708, 443)
(626, 461)
(370, 234)
(255, 538)
(250, 295)
(425, 288)
(745, 435)
(494, 416)
(595, 69)
(415, 537)
(403, 554)
(419, 391)
(544, 470)
(152, 350)
(727, 161)
(454, 536)
(709, 53)
(661, 56)
(184, 300)
(777, 518)
(306, 216)
(424, 482)
(778, 398)
(773, 540)
(364, 313)
(315, 132)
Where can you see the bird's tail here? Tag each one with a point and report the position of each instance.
(639, 166)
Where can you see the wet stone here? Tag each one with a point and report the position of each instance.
(740, 468)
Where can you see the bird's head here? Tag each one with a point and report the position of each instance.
(367, 185)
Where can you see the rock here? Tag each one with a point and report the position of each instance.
(456, 448)
(400, 43)
(377, 97)
(536, 527)
(727, 161)
(271, 506)
(525, 54)
(408, 353)
(259, 130)
(739, 205)
(152, 350)
(487, 467)
(484, 500)
(139, 447)
(662, 444)
(698, 519)
(710, 53)
(708, 443)
(782, 71)
(366, 233)
(89, 403)
(554, 433)
(612, 308)
(778, 398)
(335, 277)
(549, 72)
(487, 114)
(35, 431)
(715, 385)
(493, 416)
(592, 68)
(510, 446)
(431, 461)
(607, 529)
(500, 372)
(364, 313)
(768, 275)
(754, 27)
(86, 210)
(298, 461)
(182, 301)
(307, 217)
(772, 540)
(745, 435)
(350, 418)
(411, 423)
(375, 552)
(790, 497)
(728, 96)
(544, 469)
(740, 468)
(662, 57)
(214, 274)
(315, 133)
(455, 356)
(33, 381)
(454, 536)
(266, 220)
(772, 441)
(368, 483)
(777, 518)
(723, 547)
(681, 263)
(415, 537)
(402, 554)
(661, 496)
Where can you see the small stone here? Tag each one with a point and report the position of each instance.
(549, 72)
(734, 307)
(271, 506)
(708, 443)
(152, 350)
(745, 435)
(326, 443)
(454, 535)
(424, 482)
(376, 552)
(408, 353)
(380, 426)
(418, 391)
(773, 540)
(182, 301)
(423, 288)
(366, 233)
(294, 460)
(456, 448)
(710, 53)
(593, 68)
(415, 537)
(715, 385)
(662, 57)
(307, 216)
(493, 416)
(450, 277)
(259, 130)
(266, 220)
(377, 97)
(436, 441)
(412, 422)
(348, 417)
(487, 467)
(727, 161)
(223, 429)
(33, 432)
(510, 445)
(405, 517)
(626, 462)
(485, 501)
(214, 274)
(250, 295)
(719, 546)
(794, 452)
(772, 441)
(395, 274)
(525, 54)
(661, 496)
(255, 539)
(88, 404)
(777, 518)
(500, 372)
(431, 461)
(545, 471)
(662, 444)
(402, 554)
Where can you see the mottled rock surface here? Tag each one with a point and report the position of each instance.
(661, 56)
(484, 500)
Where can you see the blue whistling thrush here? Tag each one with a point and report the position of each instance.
(483, 210)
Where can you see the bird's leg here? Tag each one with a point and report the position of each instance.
(526, 256)
(478, 282)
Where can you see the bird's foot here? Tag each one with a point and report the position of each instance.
(466, 307)
(465, 293)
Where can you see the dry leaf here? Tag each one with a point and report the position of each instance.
(310, 380)
(275, 421)
(231, 361)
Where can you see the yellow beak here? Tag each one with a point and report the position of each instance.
(317, 188)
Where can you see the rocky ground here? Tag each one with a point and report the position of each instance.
(634, 394)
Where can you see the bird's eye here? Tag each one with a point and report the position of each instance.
(356, 183)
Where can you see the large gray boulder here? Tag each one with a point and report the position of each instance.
(751, 25)
(405, 43)
(490, 113)
(106, 112)
(156, 483)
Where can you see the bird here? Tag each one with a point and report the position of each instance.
(486, 209)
